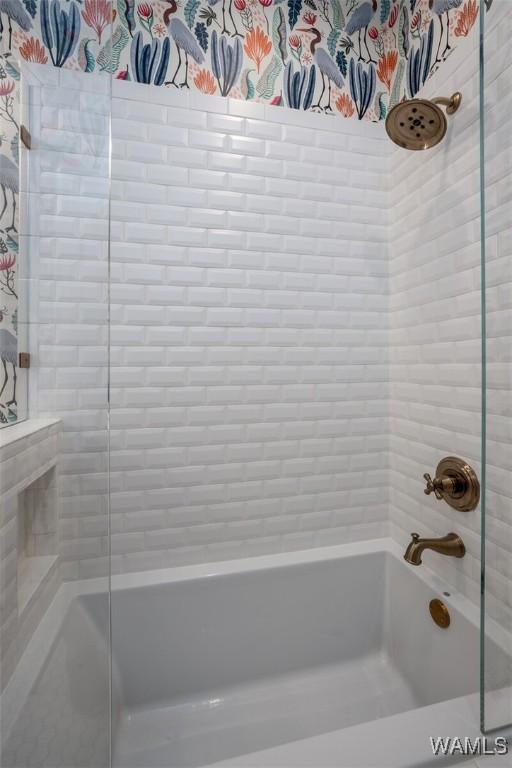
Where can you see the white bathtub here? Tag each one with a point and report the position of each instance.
(318, 658)
(321, 658)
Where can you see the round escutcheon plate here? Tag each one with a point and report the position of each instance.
(439, 613)
(466, 494)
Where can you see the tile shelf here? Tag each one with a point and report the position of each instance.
(28, 500)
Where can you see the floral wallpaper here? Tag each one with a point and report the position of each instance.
(9, 226)
(355, 58)
(349, 58)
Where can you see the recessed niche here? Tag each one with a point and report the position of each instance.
(37, 535)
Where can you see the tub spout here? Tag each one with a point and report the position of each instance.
(451, 545)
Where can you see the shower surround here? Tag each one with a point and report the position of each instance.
(250, 321)
(250, 291)
(251, 404)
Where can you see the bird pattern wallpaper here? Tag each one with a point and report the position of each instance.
(9, 231)
(345, 58)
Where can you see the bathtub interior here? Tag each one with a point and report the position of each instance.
(209, 668)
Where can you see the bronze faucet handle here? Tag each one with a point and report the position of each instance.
(455, 482)
(432, 487)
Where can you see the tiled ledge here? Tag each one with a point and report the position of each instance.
(27, 450)
(25, 430)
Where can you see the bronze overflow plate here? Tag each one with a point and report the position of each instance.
(440, 613)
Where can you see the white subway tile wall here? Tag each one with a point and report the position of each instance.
(498, 224)
(498, 227)
(249, 330)
(435, 318)
(435, 301)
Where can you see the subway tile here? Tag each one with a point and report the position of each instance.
(273, 335)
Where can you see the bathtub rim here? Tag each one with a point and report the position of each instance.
(279, 560)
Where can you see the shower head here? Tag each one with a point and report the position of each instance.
(419, 123)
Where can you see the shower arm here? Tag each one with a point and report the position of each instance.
(451, 103)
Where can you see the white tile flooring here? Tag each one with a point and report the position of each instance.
(262, 714)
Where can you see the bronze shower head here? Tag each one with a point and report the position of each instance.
(419, 123)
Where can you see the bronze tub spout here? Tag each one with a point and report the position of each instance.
(451, 545)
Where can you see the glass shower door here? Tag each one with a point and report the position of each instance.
(496, 195)
(54, 468)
